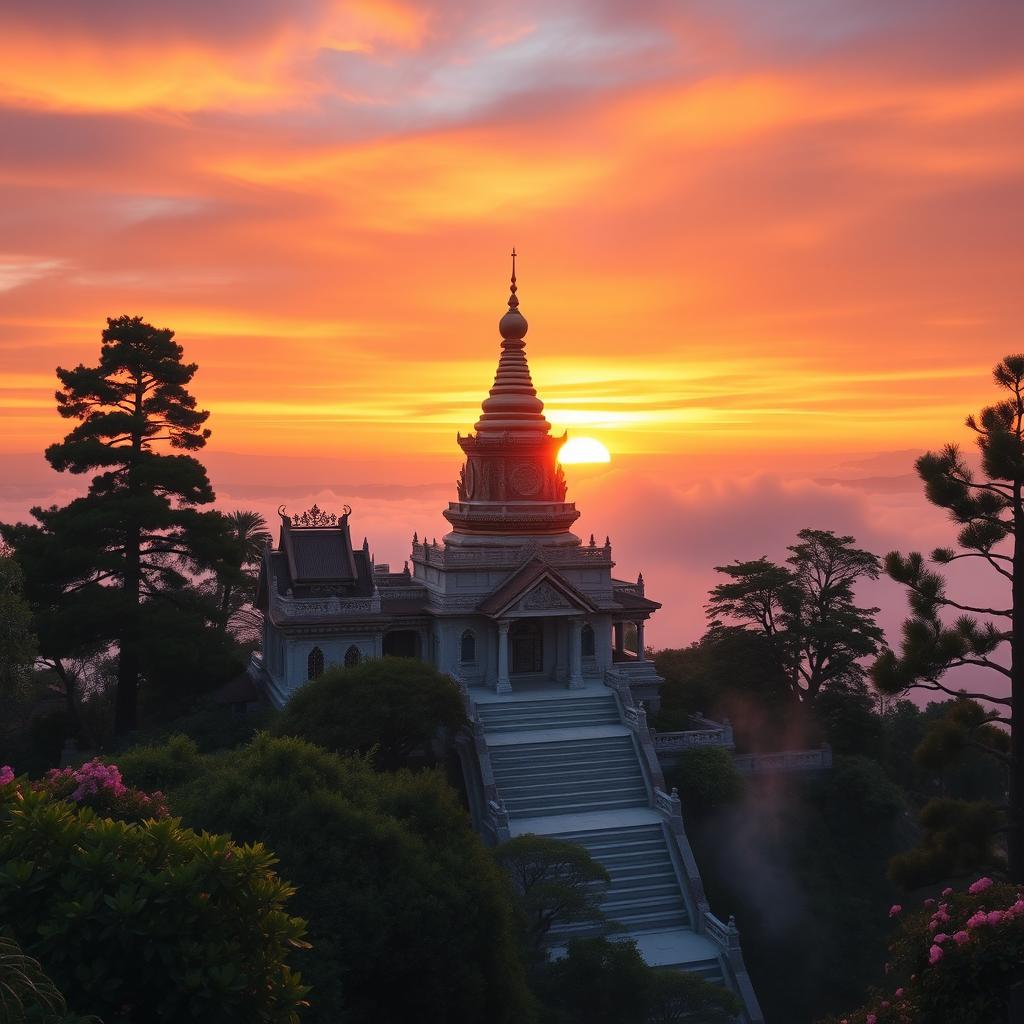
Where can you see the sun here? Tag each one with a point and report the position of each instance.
(584, 449)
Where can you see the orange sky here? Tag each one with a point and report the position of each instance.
(756, 238)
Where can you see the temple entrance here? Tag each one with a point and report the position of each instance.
(401, 643)
(526, 647)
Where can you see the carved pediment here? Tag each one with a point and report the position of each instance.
(542, 597)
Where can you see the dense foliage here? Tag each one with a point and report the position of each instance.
(389, 708)
(409, 916)
(18, 646)
(986, 637)
(27, 995)
(555, 883)
(599, 981)
(956, 960)
(146, 921)
(806, 609)
(708, 778)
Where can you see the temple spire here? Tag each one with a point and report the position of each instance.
(513, 405)
(513, 299)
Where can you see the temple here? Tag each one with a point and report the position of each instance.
(547, 646)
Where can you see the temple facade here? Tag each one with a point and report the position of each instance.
(510, 598)
(547, 648)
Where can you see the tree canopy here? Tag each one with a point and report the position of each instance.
(388, 706)
(943, 633)
(806, 608)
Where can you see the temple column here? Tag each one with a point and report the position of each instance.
(640, 641)
(503, 685)
(575, 654)
(618, 637)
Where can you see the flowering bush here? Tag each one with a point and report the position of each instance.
(98, 786)
(953, 960)
(146, 922)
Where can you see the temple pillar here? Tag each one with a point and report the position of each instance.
(503, 685)
(618, 637)
(640, 656)
(575, 654)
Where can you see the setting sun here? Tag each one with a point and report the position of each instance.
(584, 449)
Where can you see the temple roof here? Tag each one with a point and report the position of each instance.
(513, 405)
(525, 579)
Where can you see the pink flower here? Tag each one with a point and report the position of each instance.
(885, 1004)
(940, 938)
(895, 909)
(947, 891)
(980, 886)
(871, 1019)
(995, 916)
(961, 937)
(976, 919)
(898, 994)
(6, 775)
(929, 902)
(934, 954)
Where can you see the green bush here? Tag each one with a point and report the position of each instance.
(162, 767)
(27, 995)
(389, 706)
(706, 778)
(147, 922)
(410, 918)
(955, 960)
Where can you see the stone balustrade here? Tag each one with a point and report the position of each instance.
(785, 761)
(635, 717)
(725, 935)
(297, 608)
(668, 804)
(452, 557)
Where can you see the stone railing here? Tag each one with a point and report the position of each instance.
(818, 760)
(451, 557)
(298, 607)
(725, 935)
(635, 718)
(497, 819)
(672, 742)
(668, 804)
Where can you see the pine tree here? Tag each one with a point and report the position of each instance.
(806, 609)
(990, 514)
(137, 535)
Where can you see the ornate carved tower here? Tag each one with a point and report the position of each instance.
(511, 484)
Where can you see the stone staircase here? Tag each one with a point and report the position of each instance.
(644, 893)
(564, 764)
(568, 776)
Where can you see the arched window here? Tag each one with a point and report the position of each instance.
(587, 641)
(467, 649)
(352, 657)
(315, 663)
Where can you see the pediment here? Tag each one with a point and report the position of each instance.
(536, 587)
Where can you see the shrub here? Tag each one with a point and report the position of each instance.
(162, 767)
(389, 707)
(99, 786)
(27, 994)
(149, 922)
(954, 960)
(410, 918)
(706, 778)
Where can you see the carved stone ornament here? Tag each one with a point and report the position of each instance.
(543, 596)
(526, 480)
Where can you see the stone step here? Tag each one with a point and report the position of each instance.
(499, 707)
(517, 757)
(553, 765)
(580, 807)
(582, 794)
(521, 789)
(598, 745)
(534, 724)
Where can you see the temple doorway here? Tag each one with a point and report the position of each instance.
(526, 647)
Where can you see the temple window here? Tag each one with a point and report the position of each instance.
(587, 641)
(467, 649)
(352, 657)
(315, 663)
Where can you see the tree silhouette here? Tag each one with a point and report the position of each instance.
(806, 609)
(990, 514)
(136, 536)
(247, 536)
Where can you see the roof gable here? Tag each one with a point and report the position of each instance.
(536, 587)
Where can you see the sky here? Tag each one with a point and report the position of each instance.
(769, 252)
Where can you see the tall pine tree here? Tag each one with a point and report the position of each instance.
(985, 637)
(138, 535)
